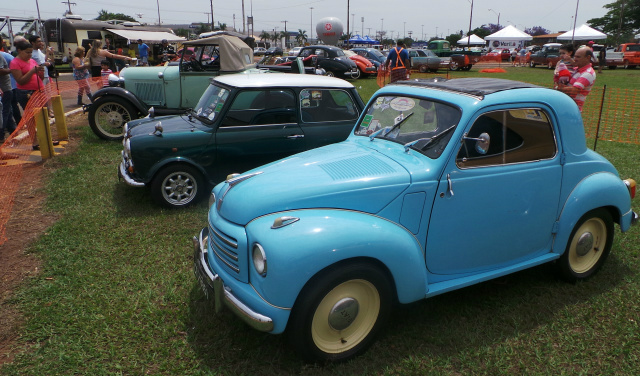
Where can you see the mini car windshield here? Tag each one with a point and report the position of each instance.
(211, 103)
(422, 124)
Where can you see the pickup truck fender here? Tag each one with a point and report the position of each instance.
(324, 237)
(600, 190)
(125, 94)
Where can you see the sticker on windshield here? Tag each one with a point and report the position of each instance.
(402, 104)
(366, 121)
(316, 94)
(305, 102)
(212, 116)
(219, 107)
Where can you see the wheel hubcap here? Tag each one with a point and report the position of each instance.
(343, 313)
(179, 189)
(585, 244)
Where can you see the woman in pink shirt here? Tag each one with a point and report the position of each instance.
(27, 74)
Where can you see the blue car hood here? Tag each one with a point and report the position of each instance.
(344, 175)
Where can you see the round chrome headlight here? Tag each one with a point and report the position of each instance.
(127, 147)
(259, 259)
(113, 80)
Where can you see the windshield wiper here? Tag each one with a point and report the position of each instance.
(395, 126)
(430, 140)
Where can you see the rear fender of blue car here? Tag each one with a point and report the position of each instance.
(599, 190)
(324, 237)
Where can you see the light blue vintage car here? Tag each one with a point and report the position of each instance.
(442, 184)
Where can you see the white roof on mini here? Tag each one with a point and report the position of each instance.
(282, 79)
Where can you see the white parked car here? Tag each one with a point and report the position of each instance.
(294, 51)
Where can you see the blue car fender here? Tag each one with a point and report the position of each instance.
(598, 190)
(320, 238)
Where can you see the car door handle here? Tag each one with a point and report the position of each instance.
(293, 136)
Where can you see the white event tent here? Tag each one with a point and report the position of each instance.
(474, 39)
(583, 32)
(508, 36)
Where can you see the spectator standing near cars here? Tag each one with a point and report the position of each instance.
(602, 58)
(167, 52)
(11, 110)
(582, 79)
(105, 72)
(143, 51)
(564, 67)
(6, 91)
(97, 54)
(81, 74)
(398, 63)
(522, 57)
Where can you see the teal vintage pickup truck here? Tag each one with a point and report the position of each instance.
(462, 60)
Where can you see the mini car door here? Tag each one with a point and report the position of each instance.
(259, 127)
(328, 115)
(497, 199)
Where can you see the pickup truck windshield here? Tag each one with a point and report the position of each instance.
(406, 119)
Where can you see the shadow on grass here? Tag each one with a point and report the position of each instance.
(443, 327)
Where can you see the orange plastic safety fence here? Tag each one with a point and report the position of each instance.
(17, 151)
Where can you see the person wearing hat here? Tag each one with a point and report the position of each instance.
(167, 52)
(143, 51)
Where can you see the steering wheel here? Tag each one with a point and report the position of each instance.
(192, 66)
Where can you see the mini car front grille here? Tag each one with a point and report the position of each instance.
(225, 248)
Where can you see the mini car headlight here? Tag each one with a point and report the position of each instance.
(212, 199)
(259, 259)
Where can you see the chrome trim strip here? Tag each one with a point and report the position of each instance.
(230, 255)
(127, 179)
(224, 239)
(235, 269)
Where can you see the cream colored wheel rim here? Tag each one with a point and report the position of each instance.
(359, 292)
(587, 245)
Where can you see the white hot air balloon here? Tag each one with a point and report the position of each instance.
(329, 30)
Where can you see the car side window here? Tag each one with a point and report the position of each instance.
(261, 107)
(508, 136)
(325, 105)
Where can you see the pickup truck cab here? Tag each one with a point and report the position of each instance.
(442, 184)
(548, 56)
(462, 60)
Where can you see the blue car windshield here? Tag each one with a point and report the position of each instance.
(211, 103)
(425, 124)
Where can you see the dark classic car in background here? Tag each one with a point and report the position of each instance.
(241, 121)
(331, 59)
(374, 55)
(443, 184)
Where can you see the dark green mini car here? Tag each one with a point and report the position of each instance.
(241, 122)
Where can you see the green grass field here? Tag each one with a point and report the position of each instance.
(116, 294)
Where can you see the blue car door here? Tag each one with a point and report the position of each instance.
(497, 199)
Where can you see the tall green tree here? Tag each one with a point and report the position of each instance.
(104, 15)
(301, 38)
(620, 22)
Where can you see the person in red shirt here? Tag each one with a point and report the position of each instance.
(28, 75)
(582, 79)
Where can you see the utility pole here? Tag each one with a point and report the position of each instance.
(243, 18)
(69, 3)
(211, 3)
(310, 38)
(286, 36)
(158, 3)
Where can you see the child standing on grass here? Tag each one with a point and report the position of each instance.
(105, 72)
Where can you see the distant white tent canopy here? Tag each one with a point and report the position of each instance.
(473, 39)
(583, 32)
(509, 33)
(147, 36)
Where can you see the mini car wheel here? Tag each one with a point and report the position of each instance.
(337, 314)
(330, 74)
(423, 68)
(357, 75)
(177, 186)
(588, 247)
(107, 116)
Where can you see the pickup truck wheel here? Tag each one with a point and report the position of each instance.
(550, 64)
(626, 64)
(422, 68)
(453, 66)
(107, 116)
(177, 186)
(339, 312)
(589, 245)
(532, 64)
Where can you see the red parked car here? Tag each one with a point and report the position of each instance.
(365, 67)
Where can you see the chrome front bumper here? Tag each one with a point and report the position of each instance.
(124, 175)
(213, 287)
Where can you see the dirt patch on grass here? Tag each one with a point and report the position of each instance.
(28, 221)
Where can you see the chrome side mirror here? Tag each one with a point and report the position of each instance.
(482, 143)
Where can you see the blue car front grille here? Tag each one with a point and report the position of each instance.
(225, 248)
